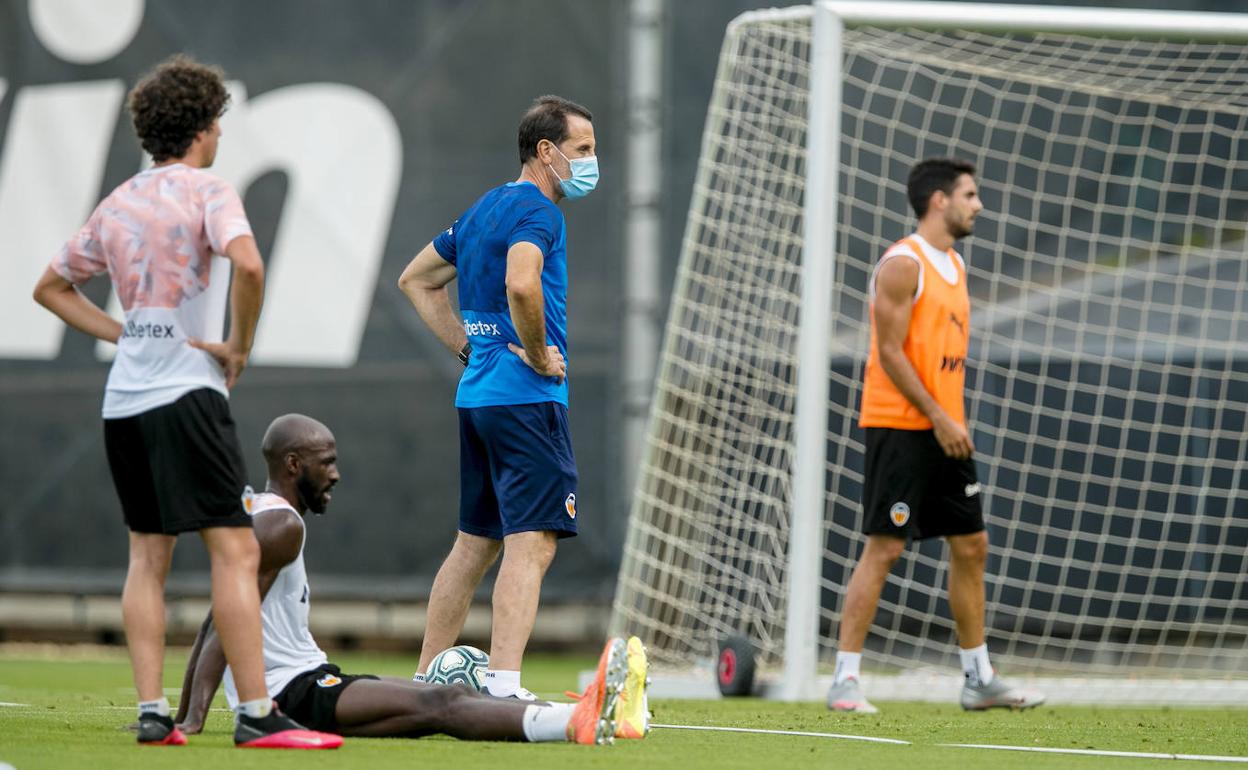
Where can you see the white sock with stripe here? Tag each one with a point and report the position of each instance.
(847, 665)
(975, 665)
(255, 709)
(500, 684)
(159, 707)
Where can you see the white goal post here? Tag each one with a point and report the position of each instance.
(1108, 284)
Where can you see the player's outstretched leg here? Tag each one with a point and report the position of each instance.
(399, 708)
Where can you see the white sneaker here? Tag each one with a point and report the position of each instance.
(847, 696)
(998, 694)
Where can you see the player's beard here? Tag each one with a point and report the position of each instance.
(960, 230)
(312, 497)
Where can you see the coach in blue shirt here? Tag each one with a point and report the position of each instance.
(517, 473)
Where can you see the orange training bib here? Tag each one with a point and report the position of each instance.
(936, 345)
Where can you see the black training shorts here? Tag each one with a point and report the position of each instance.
(179, 467)
(911, 489)
(311, 698)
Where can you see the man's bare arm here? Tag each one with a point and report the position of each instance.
(424, 281)
(191, 662)
(528, 311)
(280, 535)
(895, 285)
(203, 674)
(246, 297)
(63, 299)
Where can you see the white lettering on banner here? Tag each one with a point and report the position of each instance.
(341, 151)
(338, 145)
(86, 31)
(50, 172)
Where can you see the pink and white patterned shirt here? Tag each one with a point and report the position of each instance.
(159, 236)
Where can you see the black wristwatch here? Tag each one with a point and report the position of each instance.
(464, 353)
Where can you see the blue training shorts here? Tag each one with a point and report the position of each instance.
(516, 470)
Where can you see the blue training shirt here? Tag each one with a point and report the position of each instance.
(477, 246)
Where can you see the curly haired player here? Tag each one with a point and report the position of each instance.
(168, 237)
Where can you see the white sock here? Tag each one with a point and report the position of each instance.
(159, 707)
(256, 709)
(975, 665)
(501, 684)
(418, 677)
(847, 665)
(547, 723)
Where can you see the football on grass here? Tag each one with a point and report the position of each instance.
(458, 665)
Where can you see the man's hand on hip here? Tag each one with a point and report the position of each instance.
(231, 360)
(553, 366)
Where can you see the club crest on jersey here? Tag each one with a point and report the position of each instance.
(569, 505)
(972, 489)
(900, 514)
(249, 499)
(329, 680)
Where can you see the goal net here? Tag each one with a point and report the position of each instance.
(1107, 386)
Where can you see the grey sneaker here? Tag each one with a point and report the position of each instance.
(998, 694)
(847, 696)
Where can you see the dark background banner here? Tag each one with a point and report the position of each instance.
(449, 81)
(359, 130)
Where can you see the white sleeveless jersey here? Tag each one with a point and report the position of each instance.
(289, 648)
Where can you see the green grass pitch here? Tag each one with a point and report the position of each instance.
(76, 705)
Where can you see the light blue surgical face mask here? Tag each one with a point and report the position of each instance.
(584, 176)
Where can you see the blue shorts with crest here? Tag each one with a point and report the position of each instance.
(516, 470)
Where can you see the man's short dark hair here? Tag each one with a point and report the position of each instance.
(547, 119)
(931, 175)
(173, 103)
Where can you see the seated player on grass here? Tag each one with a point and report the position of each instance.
(301, 457)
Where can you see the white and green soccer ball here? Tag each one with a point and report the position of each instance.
(461, 664)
